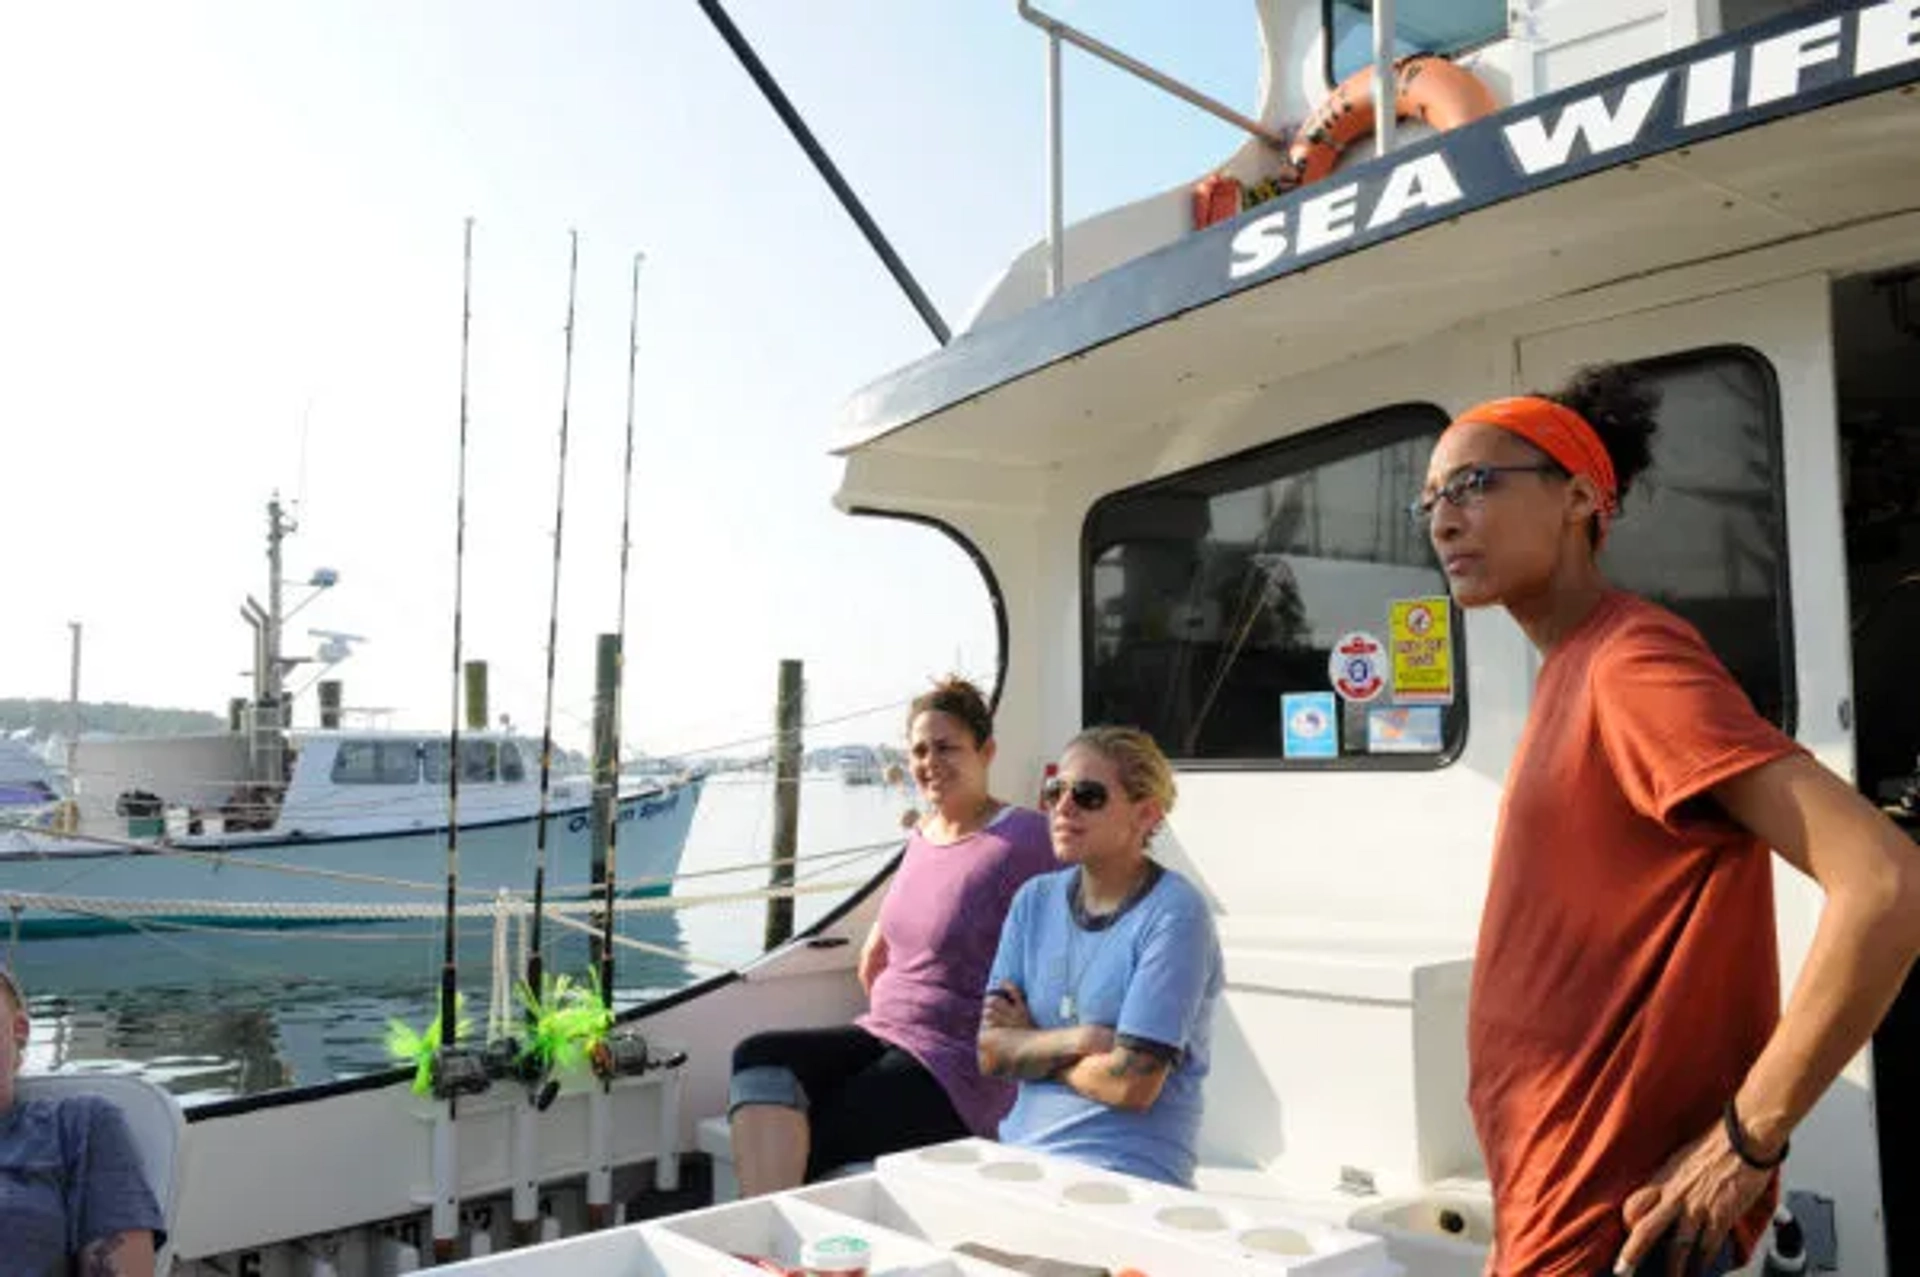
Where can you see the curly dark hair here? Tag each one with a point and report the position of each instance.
(1620, 405)
(956, 696)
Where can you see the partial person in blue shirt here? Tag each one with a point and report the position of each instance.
(73, 1199)
(1100, 1000)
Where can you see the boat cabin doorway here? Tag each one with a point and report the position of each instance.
(1876, 330)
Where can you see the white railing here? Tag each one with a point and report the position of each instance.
(1058, 31)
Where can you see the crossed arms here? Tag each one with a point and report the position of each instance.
(1118, 1072)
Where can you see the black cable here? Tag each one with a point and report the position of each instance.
(824, 164)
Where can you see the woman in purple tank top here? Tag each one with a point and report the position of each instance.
(906, 1073)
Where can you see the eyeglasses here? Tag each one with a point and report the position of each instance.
(1466, 487)
(1087, 795)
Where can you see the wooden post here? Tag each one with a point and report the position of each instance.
(476, 673)
(69, 811)
(606, 778)
(786, 801)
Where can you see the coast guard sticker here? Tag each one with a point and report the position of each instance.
(1357, 666)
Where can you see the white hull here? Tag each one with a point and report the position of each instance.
(73, 887)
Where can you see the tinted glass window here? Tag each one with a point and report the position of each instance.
(375, 762)
(1735, 14)
(1705, 532)
(1215, 601)
(477, 760)
(1420, 26)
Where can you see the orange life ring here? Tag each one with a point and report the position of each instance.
(1426, 87)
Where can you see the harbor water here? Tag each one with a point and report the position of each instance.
(217, 1014)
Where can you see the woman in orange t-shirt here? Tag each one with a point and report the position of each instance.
(1632, 1078)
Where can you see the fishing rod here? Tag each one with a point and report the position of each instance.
(536, 961)
(620, 640)
(446, 1205)
(449, 965)
(616, 1053)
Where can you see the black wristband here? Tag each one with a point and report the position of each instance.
(1743, 1149)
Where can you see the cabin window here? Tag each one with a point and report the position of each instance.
(477, 761)
(1735, 14)
(376, 762)
(512, 770)
(1704, 533)
(1213, 602)
(1420, 26)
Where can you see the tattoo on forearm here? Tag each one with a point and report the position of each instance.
(1129, 1063)
(1036, 1065)
(100, 1259)
(1030, 1060)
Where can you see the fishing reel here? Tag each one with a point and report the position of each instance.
(625, 1053)
(509, 1060)
(472, 1070)
(462, 1070)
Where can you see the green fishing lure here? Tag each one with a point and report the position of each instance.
(566, 1022)
(418, 1049)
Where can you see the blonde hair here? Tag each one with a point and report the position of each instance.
(11, 994)
(1144, 770)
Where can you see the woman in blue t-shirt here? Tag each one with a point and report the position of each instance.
(1101, 996)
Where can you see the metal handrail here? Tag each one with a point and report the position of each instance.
(1385, 89)
(1056, 32)
(1159, 79)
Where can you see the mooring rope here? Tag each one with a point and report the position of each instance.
(377, 911)
(240, 860)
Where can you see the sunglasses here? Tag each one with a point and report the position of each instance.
(1466, 487)
(1087, 795)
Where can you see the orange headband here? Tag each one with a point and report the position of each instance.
(1558, 431)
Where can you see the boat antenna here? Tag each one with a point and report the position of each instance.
(536, 960)
(824, 165)
(449, 965)
(620, 640)
(306, 425)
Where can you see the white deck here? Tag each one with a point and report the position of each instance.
(917, 1209)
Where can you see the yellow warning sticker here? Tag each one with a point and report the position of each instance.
(1420, 639)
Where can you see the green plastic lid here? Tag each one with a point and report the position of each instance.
(838, 1254)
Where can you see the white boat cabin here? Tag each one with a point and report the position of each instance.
(1185, 480)
(346, 782)
(340, 783)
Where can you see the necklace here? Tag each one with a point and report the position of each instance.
(1080, 921)
(1070, 993)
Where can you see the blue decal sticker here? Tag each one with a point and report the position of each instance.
(1311, 721)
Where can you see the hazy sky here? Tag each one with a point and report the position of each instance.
(230, 263)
